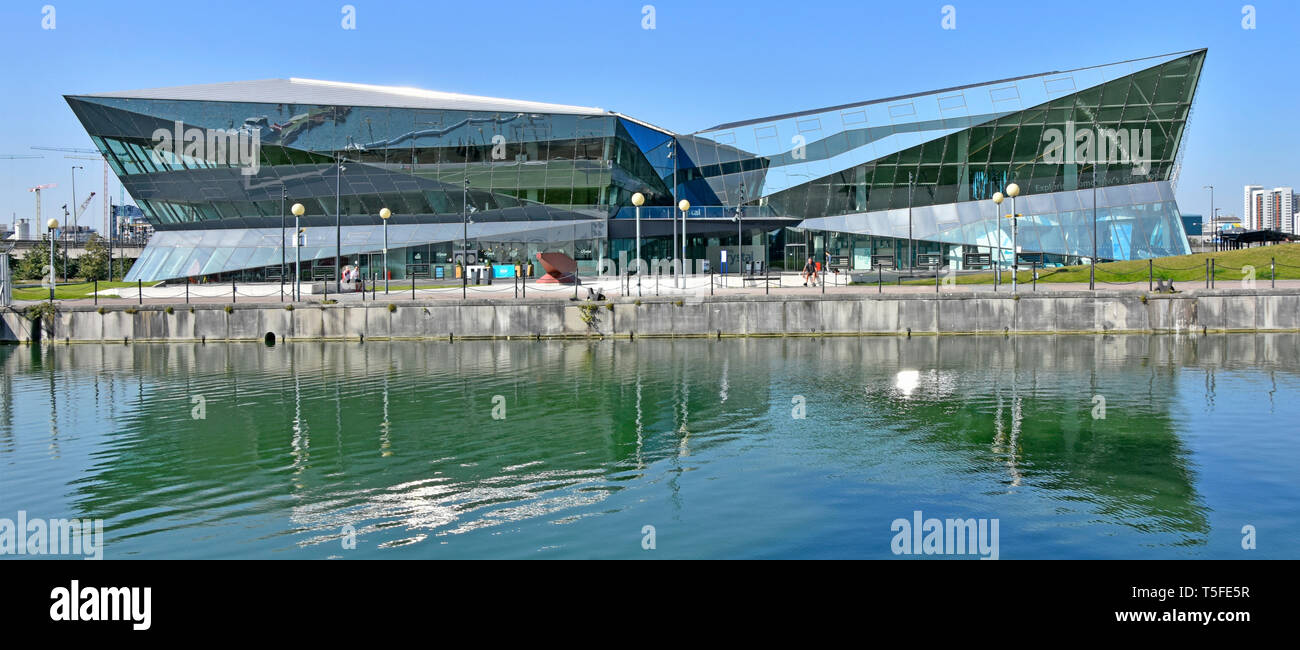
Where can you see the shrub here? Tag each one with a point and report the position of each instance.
(41, 311)
(391, 308)
(229, 309)
(588, 314)
(169, 310)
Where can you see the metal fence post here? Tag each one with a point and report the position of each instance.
(187, 291)
(1207, 273)
(96, 291)
(880, 278)
(412, 286)
(232, 290)
(1212, 272)
(1033, 268)
(139, 292)
(1150, 272)
(1272, 273)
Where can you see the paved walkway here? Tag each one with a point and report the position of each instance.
(790, 284)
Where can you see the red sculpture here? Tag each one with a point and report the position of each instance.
(560, 268)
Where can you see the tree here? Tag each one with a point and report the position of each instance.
(32, 266)
(93, 264)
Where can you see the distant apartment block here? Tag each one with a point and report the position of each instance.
(1269, 209)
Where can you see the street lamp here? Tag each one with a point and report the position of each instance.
(1092, 266)
(911, 185)
(683, 205)
(385, 213)
(1214, 219)
(672, 153)
(52, 224)
(338, 226)
(740, 251)
(997, 218)
(1013, 191)
(74, 219)
(284, 194)
(1211, 189)
(638, 200)
(297, 211)
(464, 252)
(739, 244)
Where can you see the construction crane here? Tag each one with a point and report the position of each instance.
(18, 157)
(108, 230)
(82, 208)
(40, 224)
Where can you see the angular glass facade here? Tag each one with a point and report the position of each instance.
(534, 177)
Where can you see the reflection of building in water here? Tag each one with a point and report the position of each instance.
(398, 440)
(1027, 414)
(395, 434)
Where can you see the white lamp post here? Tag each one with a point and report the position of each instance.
(52, 224)
(298, 210)
(1013, 190)
(684, 206)
(638, 200)
(384, 214)
(997, 218)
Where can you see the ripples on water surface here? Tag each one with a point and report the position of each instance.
(694, 437)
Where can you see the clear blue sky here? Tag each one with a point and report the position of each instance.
(704, 63)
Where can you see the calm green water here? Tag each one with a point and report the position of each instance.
(696, 438)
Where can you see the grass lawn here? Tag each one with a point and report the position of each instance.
(70, 291)
(1185, 268)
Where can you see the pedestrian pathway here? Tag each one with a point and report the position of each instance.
(697, 285)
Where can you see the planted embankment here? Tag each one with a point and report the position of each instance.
(1222, 310)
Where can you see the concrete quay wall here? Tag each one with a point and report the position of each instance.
(687, 316)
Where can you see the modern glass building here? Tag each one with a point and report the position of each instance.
(215, 167)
